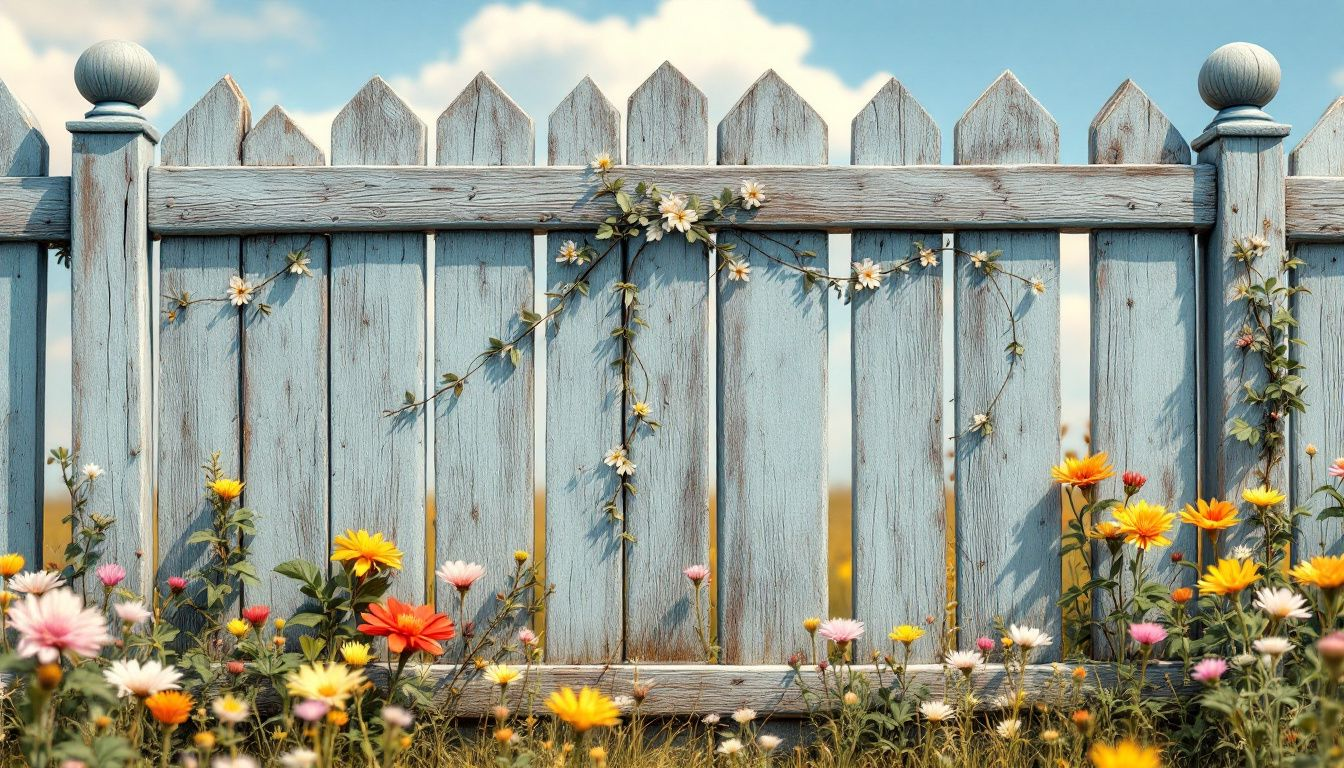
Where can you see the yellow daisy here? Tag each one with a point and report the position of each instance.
(501, 674)
(227, 489)
(367, 551)
(1262, 497)
(1126, 754)
(1083, 473)
(906, 633)
(1229, 577)
(1322, 572)
(329, 682)
(589, 708)
(1144, 524)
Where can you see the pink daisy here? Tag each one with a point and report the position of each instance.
(697, 573)
(110, 574)
(460, 574)
(1336, 468)
(842, 632)
(57, 622)
(1209, 671)
(1147, 633)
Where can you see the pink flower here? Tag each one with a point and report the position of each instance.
(256, 615)
(177, 584)
(697, 573)
(842, 632)
(1336, 468)
(110, 574)
(1331, 647)
(57, 622)
(527, 636)
(985, 645)
(311, 710)
(1209, 671)
(1133, 481)
(1147, 633)
(460, 574)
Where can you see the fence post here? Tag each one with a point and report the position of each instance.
(112, 309)
(1246, 146)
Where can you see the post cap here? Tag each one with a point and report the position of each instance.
(1238, 79)
(117, 77)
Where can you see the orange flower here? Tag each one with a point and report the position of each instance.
(1106, 529)
(1322, 571)
(170, 707)
(1212, 515)
(408, 628)
(1083, 473)
(1182, 595)
(1145, 524)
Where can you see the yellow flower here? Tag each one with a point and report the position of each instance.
(642, 409)
(1126, 754)
(1212, 515)
(811, 624)
(1262, 497)
(1106, 529)
(520, 556)
(356, 654)
(1323, 572)
(589, 708)
(280, 625)
(368, 551)
(501, 674)
(238, 627)
(11, 564)
(503, 735)
(338, 718)
(225, 488)
(327, 682)
(1145, 524)
(1083, 473)
(598, 755)
(1229, 577)
(906, 633)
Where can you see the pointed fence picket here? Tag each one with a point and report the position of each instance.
(294, 400)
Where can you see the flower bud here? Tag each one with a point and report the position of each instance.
(503, 735)
(1177, 556)
(520, 556)
(851, 698)
(1311, 449)
(811, 624)
(1182, 595)
(49, 676)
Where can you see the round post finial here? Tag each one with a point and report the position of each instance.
(1238, 79)
(117, 77)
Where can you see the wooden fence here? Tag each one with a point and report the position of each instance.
(294, 400)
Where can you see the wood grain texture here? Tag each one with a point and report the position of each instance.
(284, 385)
(583, 416)
(23, 320)
(771, 395)
(34, 209)
(771, 689)
(483, 443)
(899, 504)
(1250, 202)
(669, 517)
(110, 331)
(836, 199)
(1312, 205)
(377, 337)
(1008, 513)
(1144, 333)
(1320, 314)
(200, 350)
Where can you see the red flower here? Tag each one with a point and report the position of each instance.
(408, 628)
(256, 614)
(177, 584)
(236, 668)
(1133, 482)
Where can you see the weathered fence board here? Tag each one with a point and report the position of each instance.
(200, 347)
(1007, 526)
(285, 452)
(483, 442)
(899, 502)
(584, 551)
(1144, 331)
(839, 198)
(771, 401)
(669, 516)
(23, 295)
(34, 209)
(1320, 312)
(377, 337)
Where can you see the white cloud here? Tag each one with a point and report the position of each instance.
(538, 53)
(1338, 79)
(81, 22)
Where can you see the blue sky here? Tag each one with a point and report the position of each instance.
(312, 56)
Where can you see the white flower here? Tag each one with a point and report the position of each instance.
(240, 291)
(401, 718)
(624, 703)
(569, 253)
(92, 471)
(753, 194)
(744, 715)
(978, 258)
(614, 456)
(1009, 729)
(1037, 285)
(936, 711)
(230, 709)
(36, 582)
(1282, 603)
(671, 204)
(299, 758)
(298, 263)
(1273, 646)
(729, 747)
(711, 719)
(1257, 244)
(133, 613)
(654, 234)
(132, 678)
(768, 742)
(966, 661)
(928, 257)
(1242, 552)
(680, 219)
(979, 421)
(867, 274)
(1028, 637)
(602, 162)
(240, 761)
(739, 271)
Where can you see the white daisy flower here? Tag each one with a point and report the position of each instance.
(132, 678)
(1282, 603)
(739, 271)
(240, 291)
(753, 194)
(867, 274)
